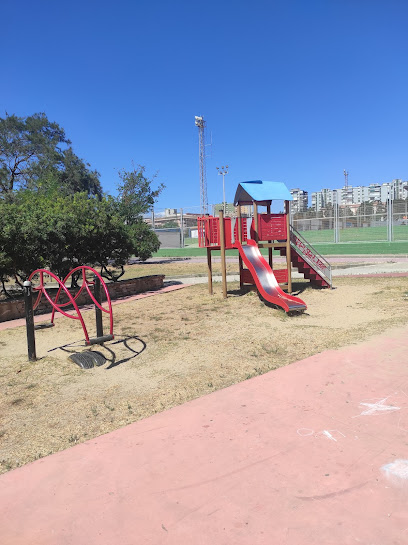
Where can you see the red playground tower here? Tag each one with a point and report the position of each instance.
(248, 234)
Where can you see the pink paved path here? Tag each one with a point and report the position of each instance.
(291, 457)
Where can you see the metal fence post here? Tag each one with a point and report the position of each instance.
(98, 312)
(392, 217)
(181, 228)
(28, 303)
(336, 217)
(390, 212)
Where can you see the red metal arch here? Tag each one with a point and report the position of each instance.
(72, 299)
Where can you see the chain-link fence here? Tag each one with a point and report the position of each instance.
(175, 227)
(369, 222)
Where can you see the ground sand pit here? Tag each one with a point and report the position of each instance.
(169, 349)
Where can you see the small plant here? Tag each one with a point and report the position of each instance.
(73, 438)
(7, 464)
(94, 410)
(257, 371)
(272, 349)
(108, 407)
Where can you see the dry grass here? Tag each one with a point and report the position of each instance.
(180, 345)
(181, 267)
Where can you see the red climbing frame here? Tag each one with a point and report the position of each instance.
(72, 299)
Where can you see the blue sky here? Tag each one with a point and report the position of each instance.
(292, 90)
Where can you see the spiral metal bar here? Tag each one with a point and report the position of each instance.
(41, 289)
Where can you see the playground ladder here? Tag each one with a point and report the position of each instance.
(308, 260)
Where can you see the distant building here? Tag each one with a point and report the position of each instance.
(170, 212)
(300, 201)
(172, 219)
(400, 188)
(360, 194)
(230, 209)
(346, 197)
(350, 195)
(320, 199)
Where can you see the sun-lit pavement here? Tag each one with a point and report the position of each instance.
(313, 453)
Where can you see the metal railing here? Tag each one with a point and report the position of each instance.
(311, 255)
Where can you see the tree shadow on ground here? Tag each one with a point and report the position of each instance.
(131, 347)
(155, 261)
(297, 289)
(300, 287)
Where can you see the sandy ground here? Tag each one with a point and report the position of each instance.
(169, 349)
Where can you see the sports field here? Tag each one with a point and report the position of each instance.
(357, 234)
(353, 241)
(327, 249)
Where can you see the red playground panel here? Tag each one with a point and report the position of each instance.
(270, 227)
(209, 232)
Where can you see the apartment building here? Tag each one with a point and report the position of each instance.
(356, 195)
(300, 201)
(320, 199)
(360, 194)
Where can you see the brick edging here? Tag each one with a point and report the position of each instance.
(14, 308)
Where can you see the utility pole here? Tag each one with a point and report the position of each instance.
(223, 172)
(200, 123)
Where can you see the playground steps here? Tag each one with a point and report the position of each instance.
(307, 270)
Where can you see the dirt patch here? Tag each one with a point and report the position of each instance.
(169, 349)
(183, 268)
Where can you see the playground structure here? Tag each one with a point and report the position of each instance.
(265, 230)
(95, 294)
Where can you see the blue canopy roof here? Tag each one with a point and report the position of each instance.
(261, 192)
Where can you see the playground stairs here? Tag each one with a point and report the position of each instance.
(308, 261)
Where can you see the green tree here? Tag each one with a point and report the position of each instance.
(172, 224)
(135, 194)
(365, 209)
(26, 144)
(50, 216)
(328, 210)
(75, 176)
(364, 213)
(36, 154)
(61, 232)
(380, 211)
(135, 198)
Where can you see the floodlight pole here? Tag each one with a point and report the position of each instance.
(222, 172)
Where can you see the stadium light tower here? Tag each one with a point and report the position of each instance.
(200, 123)
(222, 172)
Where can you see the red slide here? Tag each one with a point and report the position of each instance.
(265, 280)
